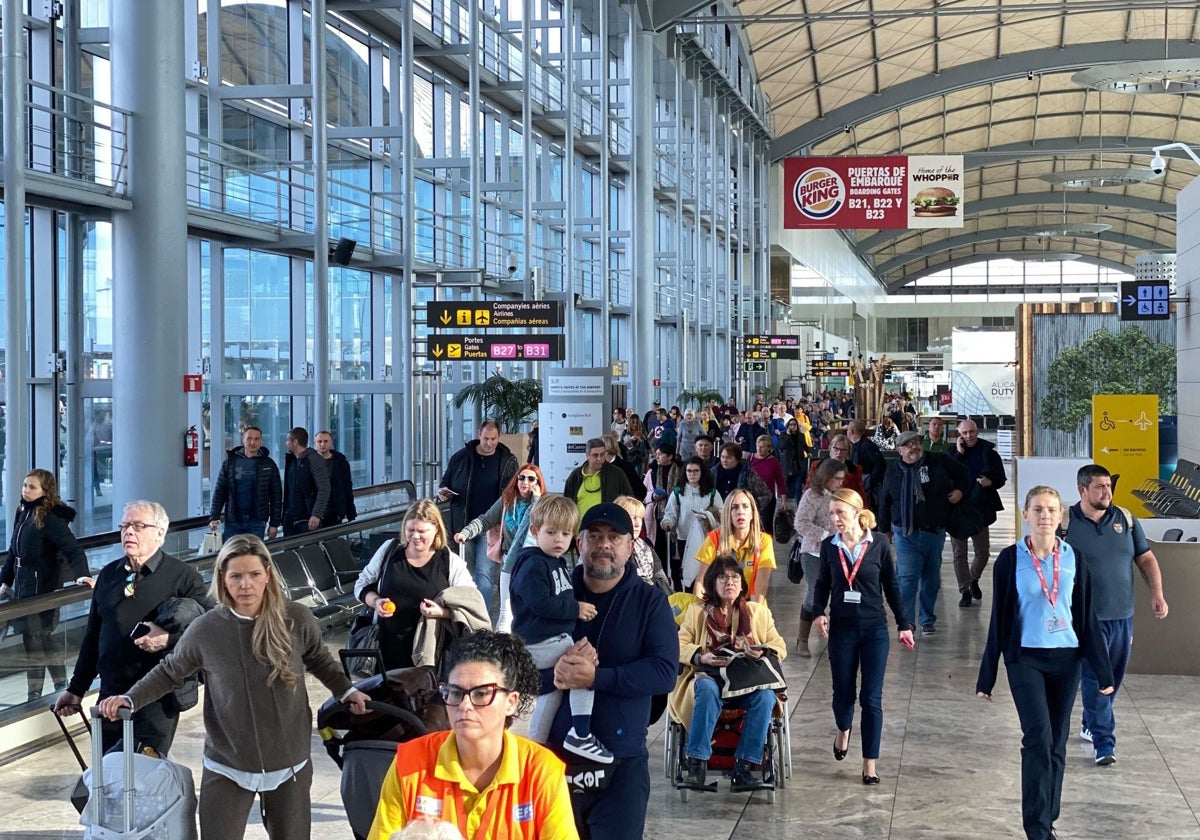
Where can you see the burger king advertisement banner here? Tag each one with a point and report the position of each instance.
(898, 191)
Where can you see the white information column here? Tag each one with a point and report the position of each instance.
(574, 409)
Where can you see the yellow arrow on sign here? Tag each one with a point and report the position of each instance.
(445, 319)
(437, 350)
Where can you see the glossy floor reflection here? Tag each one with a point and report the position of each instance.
(949, 761)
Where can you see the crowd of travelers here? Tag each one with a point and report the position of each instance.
(596, 607)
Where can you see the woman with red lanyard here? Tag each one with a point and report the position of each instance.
(1044, 625)
(856, 575)
(478, 776)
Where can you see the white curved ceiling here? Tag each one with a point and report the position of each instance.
(989, 79)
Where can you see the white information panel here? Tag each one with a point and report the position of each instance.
(564, 429)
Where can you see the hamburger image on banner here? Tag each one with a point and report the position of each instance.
(935, 201)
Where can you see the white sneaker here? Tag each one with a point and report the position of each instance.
(589, 748)
(1085, 734)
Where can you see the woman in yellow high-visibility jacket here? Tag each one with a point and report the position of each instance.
(479, 776)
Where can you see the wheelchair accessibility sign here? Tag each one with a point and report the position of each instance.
(1125, 442)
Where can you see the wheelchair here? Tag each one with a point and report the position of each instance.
(777, 752)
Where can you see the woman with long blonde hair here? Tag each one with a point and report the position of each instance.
(253, 648)
(741, 535)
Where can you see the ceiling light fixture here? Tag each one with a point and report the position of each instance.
(1167, 75)
(1117, 177)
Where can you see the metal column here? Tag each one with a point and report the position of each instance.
(149, 259)
(320, 352)
(16, 359)
(72, 488)
(641, 94)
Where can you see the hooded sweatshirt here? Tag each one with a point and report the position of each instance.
(635, 635)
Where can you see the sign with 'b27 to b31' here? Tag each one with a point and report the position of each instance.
(894, 191)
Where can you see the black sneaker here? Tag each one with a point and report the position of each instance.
(928, 629)
(1105, 759)
(589, 747)
(976, 592)
(965, 600)
(694, 773)
(744, 778)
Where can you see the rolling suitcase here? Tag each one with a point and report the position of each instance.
(135, 797)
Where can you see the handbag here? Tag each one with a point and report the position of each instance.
(745, 675)
(784, 531)
(795, 567)
(211, 544)
(363, 639)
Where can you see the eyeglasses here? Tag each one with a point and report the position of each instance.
(527, 478)
(480, 696)
(728, 578)
(135, 526)
(131, 581)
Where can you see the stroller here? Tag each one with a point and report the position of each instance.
(405, 704)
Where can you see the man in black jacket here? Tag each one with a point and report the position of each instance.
(914, 504)
(341, 484)
(122, 642)
(248, 490)
(986, 471)
(474, 479)
(865, 453)
(305, 485)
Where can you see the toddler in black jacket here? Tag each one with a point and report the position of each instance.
(544, 615)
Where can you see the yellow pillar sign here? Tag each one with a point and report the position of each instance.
(1125, 442)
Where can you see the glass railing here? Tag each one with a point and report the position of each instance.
(32, 676)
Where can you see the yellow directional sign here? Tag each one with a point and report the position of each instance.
(464, 317)
(483, 317)
(1125, 442)
(516, 314)
(453, 351)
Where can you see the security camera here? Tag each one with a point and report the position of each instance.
(512, 264)
(1029, 75)
(1158, 165)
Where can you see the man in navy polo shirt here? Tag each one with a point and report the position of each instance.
(1110, 541)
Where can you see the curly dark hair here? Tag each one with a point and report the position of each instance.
(509, 655)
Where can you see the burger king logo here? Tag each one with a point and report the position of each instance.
(819, 193)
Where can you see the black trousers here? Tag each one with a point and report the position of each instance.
(1044, 683)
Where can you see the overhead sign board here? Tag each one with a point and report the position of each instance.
(754, 367)
(494, 313)
(823, 368)
(1145, 300)
(482, 348)
(889, 192)
(765, 346)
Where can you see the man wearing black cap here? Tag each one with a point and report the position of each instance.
(705, 451)
(650, 418)
(628, 653)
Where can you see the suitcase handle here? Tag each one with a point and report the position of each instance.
(95, 798)
(70, 738)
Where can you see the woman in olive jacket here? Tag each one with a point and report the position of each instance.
(41, 531)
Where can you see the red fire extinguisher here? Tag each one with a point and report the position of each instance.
(191, 447)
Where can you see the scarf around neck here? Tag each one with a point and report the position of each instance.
(911, 494)
(720, 634)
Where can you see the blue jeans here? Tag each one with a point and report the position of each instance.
(474, 554)
(811, 564)
(1098, 708)
(234, 529)
(852, 648)
(919, 564)
(795, 484)
(758, 707)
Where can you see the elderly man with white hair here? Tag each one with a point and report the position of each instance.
(123, 639)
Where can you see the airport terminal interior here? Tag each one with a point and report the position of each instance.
(354, 215)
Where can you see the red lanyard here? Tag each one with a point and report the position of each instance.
(860, 551)
(1051, 594)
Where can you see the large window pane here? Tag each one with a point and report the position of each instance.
(257, 333)
(271, 414)
(350, 424)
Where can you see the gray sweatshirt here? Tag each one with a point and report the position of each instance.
(249, 725)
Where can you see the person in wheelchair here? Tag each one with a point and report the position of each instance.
(725, 626)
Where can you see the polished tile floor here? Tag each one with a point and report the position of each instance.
(950, 762)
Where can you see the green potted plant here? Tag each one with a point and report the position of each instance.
(700, 397)
(510, 402)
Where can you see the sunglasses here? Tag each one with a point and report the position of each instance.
(527, 478)
(481, 696)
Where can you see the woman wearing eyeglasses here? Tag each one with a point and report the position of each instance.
(478, 776)
(509, 514)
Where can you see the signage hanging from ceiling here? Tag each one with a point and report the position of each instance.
(892, 192)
